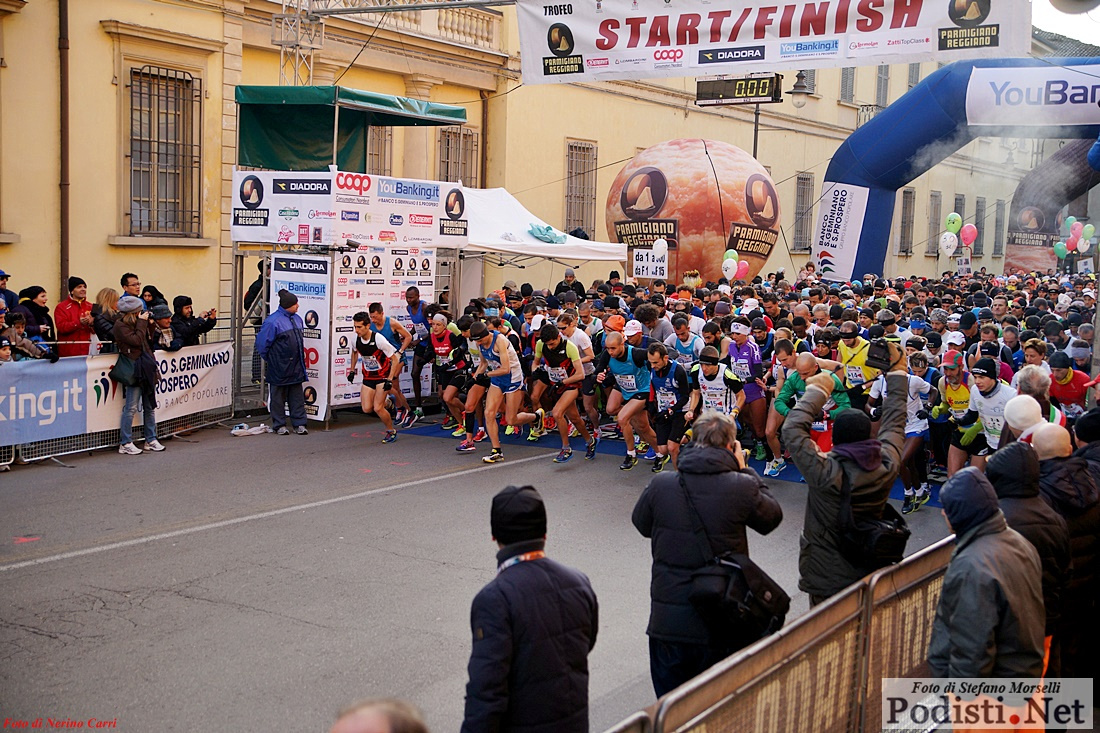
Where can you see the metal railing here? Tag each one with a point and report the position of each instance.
(7, 455)
(824, 671)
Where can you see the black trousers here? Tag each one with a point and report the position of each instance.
(671, 663)
(287, 395)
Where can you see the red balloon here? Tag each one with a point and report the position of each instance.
(742, 269)
(1071, 244)
(968, 234)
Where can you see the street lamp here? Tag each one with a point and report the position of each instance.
(800, 91)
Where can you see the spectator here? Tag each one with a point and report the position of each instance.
(533, 626)
(5, 350)
(1014, 473)
(74, 320)
(163, 338)
(382, 715)
(10, 298)
(132, 336)
(990, 617)
(870, 465)
(281, 344)
(104, 315)
(728, 497)
(152, 297)
(23, 347)
(570, 283)
(186, 325)
(256, 311)
(132, 286)
(32, 304)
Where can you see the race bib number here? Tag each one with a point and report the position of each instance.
(626, 382)
(370, 363)
(440, 360)
(829, 406)
(1073, 410)
(685, 359)
(665, 401)
(714, 400)
(421, 329)
(741, 369)
(557, 374)
(475, 359)
(819, 426)
(993, 425)
(855, 375)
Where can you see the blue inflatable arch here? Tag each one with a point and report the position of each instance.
(1026, 97)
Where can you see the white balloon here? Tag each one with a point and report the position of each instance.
(948, 243)
(729, 269)
(660, 247)
(1083, 246)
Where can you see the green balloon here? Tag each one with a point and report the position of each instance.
(731, 254)
(1060, 250)
(953, 223)
(1069, 222)
(1088, 231)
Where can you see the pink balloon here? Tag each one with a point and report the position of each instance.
(1071, 244)
(742, 269)
(968, 234)
(1076, 229)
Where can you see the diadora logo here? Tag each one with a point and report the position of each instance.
(672, 54)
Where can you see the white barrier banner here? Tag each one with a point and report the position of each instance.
(282, 207)
(308, 277)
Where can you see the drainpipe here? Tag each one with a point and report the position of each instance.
(484, 138)
(63, 57)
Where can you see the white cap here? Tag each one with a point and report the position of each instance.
(632, 328)
(1022, 411)
(537, 321)
(1088, 293)
(725, 289)
(954, 337)
(750, 305)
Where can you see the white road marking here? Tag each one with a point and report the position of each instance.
(252, 517)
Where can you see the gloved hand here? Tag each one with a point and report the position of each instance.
(53, 357)
(970, 433)
(351, 375)
(939, 411)
(482, 380)
(387, 385)
(922, 414)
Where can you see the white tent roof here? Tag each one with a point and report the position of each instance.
(493, 212)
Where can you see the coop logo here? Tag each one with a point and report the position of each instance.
(353, 182)
(313, 357)
(349, 216)
(727, 55)
(316, 187)
(420, 220)
(396, 220)
(673, 54)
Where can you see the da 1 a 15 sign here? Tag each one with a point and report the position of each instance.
(646, 264)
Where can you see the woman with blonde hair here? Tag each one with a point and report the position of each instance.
(105, 313)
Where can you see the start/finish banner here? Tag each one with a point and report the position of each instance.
(631, 39)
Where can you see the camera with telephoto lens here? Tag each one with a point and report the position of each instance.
(878, 355)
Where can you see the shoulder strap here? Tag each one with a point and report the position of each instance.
(845, 516)
(696, 522)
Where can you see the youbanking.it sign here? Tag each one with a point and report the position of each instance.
(1039, 96)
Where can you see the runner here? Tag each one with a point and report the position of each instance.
(626, 370)
(669, 394)
(568, 325)
(714, 386)
(447, 352)
(794, 386)
(401, 339)
(782, 368)
(380, 368)
(564, 375)
(984, 421)
(685, 344)
(500, 363)
(419, 327)
(749, 367)
(475, 389)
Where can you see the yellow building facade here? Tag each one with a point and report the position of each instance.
(152, 129)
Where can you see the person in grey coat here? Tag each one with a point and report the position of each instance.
(990, 617)
(871, 466)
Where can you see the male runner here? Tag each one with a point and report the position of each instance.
(563, 375)
(626, 369)
(401, 339)
(380, 368)
(500, 363)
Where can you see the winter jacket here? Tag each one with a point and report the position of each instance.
(871, 466)
(104, 326)
(1074, 494)
(728, 500)
(281, 344)
(189, 328)
(133, 339)
(533, 627)
(989, 621)
(1014, 473)
(21, 345)
(576, 287)
(73, 337)
(39, 321)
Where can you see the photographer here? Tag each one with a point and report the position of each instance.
(871, 467)
(186, 325)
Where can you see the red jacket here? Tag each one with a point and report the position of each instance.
(73, 337)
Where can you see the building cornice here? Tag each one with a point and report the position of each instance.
(132, 33)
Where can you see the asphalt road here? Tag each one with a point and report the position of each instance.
(262, 583)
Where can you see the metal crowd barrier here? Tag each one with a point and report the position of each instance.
(824, 671)
(7, 455)
(109, 438)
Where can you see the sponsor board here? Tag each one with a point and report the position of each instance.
(281, 207)
(1037, 96)
(839, 225)
(310, 278)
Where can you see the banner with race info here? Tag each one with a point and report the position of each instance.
(602, 40)
(75, 396)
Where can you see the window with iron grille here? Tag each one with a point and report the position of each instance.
(960, 205)
(803, 212)
(580, 186)
(811, 80)
(999, 230)
(882, 86)
(935, 217)
(914, 75)
(458, 155)
(908, 213)
(979, 221)
(848, 84)
(380, 151)
(165, 153)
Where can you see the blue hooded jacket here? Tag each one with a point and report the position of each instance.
(281, 344)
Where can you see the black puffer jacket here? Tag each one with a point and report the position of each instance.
(728, 500)
(1014, 473)
(533, 626)
(189, 328)
(1067, 484)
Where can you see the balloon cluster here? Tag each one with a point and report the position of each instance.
(1078, 239)
(949, 240)
(732, 269)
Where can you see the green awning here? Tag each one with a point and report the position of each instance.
(291, 128)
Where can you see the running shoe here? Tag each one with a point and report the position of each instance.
(640, 444)
(774, 467)
(534, 434)
(540, 421)
(590, 450)
(628, 463)
(300, 430)
(650, 454)
(574, 431)
(459, 432)
(659, 463)
(400, 415)
(129, 449)
(480, 435)
(549, 422)
(563, 455)
(449, 424)
(284, 430)
(414, 417)
(761, 454)
(153, 445)
(466, 446)
(924, 493)
(495, 456)
(910, 504)
(390, 436)
(511, 430)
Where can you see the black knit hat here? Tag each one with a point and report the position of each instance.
(851, 426)
(75, 282)
(1087, 426)
(518, 514)
(287, 299)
